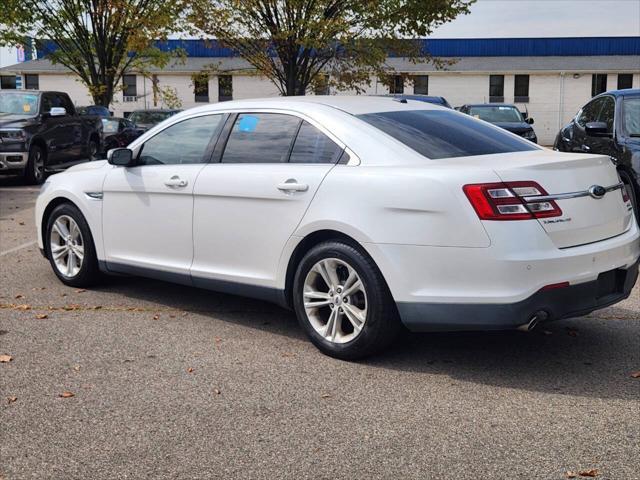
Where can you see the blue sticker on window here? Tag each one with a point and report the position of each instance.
(248, 124)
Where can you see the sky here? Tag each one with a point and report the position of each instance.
(545, 18)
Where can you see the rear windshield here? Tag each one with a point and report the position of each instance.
(497, 114)
(446, 134)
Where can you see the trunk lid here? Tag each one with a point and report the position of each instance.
(584, 219)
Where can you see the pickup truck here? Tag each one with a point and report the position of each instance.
(41, 132)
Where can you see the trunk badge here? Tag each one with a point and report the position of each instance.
(597, 191)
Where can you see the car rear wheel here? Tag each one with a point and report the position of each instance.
(343, 303)
(70, 247)
(92, 149)
(34, 172)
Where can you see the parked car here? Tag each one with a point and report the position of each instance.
(41, 132)
(609, 125)
(359, 213)
(118, 132)
(97, 110)
(504, 116)
(145, 119)
(424, 98)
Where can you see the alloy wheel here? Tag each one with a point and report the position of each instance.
(67, 246)
(38, 164)
(335, 300)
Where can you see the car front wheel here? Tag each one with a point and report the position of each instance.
(34, 172)
(343, 303)
(70, 247)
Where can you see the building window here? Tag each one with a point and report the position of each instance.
(8, 82)
(129, 84)
(496, 88)
(521, 89)
(225, 88)
(396, 84)
(421, 85)
(201, 88)
(321, 86)
(598, 83)
(625, 80)
(31, 82)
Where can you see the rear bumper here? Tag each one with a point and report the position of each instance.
(13, 161)
(573, 301)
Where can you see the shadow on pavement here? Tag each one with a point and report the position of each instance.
(589, 357)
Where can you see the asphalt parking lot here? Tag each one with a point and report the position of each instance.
(176, 382)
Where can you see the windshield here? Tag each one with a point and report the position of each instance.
(631, 116)
(23, 104)
(446, 134)
(496, 114)
(149, 118)
(109, 126)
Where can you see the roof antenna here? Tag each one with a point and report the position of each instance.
(400, 99)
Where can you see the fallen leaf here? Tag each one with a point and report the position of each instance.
(589, 473)
(156, 317)
(20, 223)
(189, 370)
(572, 332)
(570, 474)
(97, 307)
(76, 368)
(71, 307)
(66, 395)
(81, 290)
(23, 307)
(217, 339)
(325, 395)
(635, 374)
(42, 316)
(63, 295)
(5, 358)
(288, 354)
(216, 391)
(19, 296)
(11, 399)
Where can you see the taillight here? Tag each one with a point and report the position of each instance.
(625, 194)
(506, 201)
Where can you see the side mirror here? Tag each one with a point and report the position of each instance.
(121, 157)
(58, 111)
(529, 121)
(597, 129)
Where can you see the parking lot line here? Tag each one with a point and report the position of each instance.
(19, 247)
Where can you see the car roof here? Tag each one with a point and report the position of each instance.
(490, 105)
(627, 92)
(354, 104)
(160, 110)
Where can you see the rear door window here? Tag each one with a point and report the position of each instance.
(446, 134)
(261, 138)
(313, 146)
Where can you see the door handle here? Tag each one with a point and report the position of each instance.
(176, 181)
(292, 185)
(585, 148)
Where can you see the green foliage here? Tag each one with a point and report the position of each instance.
(344, 41)
(98, 40)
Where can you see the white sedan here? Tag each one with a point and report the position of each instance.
(360, 213)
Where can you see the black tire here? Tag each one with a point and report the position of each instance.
(92, 149)
(89, 273)
(34, 172)
(633, 192)
(382, 322)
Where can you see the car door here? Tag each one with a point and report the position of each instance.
(147, 208)
(248, 205)
(57, 139)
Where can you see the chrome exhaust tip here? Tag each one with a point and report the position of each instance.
(533, 322)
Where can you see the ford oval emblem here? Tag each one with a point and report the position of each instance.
(597, 191)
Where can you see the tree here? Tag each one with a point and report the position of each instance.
(99, 40)
(299, 44)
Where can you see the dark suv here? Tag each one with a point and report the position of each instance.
(609, 124)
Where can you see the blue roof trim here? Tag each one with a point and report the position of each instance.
(455, 47)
